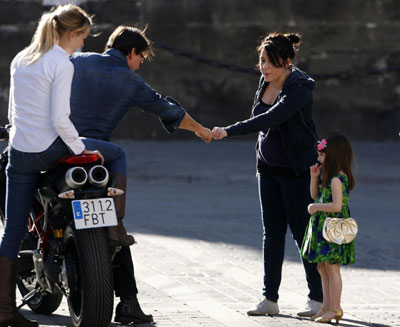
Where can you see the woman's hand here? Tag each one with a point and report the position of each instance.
(94, 152)
(315, 170)
(218, 133)
(312, 208)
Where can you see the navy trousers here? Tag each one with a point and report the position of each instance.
(284, 201)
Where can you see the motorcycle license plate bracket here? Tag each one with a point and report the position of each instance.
(94, 213)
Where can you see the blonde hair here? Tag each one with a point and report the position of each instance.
(52, 26)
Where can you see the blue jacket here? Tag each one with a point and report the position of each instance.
(292, 114)
(104, 89)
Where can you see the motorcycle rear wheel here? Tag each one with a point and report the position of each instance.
(91, 299)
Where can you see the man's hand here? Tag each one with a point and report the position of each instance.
(218, 133)
(205, 134)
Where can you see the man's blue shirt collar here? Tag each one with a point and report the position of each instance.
(116, 53)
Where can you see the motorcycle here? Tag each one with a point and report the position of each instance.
(66, 251)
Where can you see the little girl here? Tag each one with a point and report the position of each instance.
(335, 158)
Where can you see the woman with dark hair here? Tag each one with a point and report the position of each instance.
(282, 117)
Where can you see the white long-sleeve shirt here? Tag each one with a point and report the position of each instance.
(39, 104)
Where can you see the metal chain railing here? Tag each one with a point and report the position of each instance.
(357, 74)
(208, 61)
(252, 71)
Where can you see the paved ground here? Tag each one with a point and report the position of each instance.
(194, 210)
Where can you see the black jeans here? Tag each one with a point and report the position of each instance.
(124, 276)
(284, 201)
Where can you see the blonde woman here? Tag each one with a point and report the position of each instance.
(41, 132)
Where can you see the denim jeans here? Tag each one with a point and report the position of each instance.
(23, 173)
(284, 201)
(114, 156)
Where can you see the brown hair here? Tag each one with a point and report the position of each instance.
(125, 38)
(338, 156)
(52, 26)
(280, 47)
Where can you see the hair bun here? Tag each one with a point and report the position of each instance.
(294, 38)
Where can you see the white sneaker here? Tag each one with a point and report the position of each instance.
(265, 307)
(311, 308)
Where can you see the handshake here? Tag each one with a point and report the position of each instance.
(218, 133)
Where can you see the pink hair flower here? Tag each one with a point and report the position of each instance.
(321, 145)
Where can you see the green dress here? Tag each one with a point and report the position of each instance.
(315, 248)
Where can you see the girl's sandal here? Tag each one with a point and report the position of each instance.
(338, 315)
(319, 314)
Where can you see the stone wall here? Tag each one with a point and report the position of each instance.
(351, 48)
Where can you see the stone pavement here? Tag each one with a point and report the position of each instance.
(194, 211)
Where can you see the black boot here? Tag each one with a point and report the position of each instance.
(9, 315)
(117, 234)
(6, 303)
(129, 311)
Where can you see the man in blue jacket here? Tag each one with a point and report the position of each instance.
(105, 86)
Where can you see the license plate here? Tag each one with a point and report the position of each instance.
(94, 213)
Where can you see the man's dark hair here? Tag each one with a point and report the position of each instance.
(125, 38)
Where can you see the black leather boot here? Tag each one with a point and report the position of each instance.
(117, 234)
(129, 311)
(9, 315)
(6, 302)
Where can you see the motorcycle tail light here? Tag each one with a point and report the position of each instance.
(67, 195)
(79, 159)
(112, 191)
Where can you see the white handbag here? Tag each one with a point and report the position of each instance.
(339, 230)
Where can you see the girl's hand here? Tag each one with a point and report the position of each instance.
(315, 170)
(312, 208)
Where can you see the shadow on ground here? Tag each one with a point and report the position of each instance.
(209, 192)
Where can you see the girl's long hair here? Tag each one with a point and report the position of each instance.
(52, 26)
(338, 157)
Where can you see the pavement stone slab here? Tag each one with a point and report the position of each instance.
(194, 211)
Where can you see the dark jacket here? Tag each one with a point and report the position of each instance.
(292, 115)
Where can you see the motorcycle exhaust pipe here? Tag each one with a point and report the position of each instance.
(76, 177)
(98, 176)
